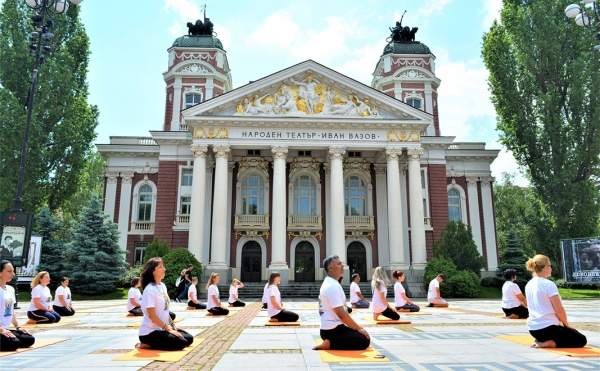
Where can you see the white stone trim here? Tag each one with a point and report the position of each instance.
(474, 218)
(369, 252)
(463, 200)
(365, 177)
(135, 206)
(489, 223)
(317, 249)
(243, 173)
(183, 190)
(315, 177)
(110, 197)
(237, 270)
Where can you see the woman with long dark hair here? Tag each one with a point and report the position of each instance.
(158, 330)
(401, 301)
(10, 340)
(63, 303)
(274, 305)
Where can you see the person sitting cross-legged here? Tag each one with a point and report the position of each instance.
(213, 303)
(10, 340)
(275, 306)
(134, 298)
(401, 300)
(357, 300)
(434, 296)
(514, 304)
(63, 303)
(193, 295)
(380, 305)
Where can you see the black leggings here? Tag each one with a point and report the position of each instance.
(137, 311)
(41, 316)
(163, 340)
(286, 316)
(219, 311)
(408, 306)
(520, 311)
(390, 313)
(345, 338)
(63, 311)
(237, 303)
(21, 340)
(564, 337)
(197, 306)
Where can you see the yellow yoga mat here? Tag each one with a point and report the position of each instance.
(571, 352)
(39, 343)
(346, 356)
(158, 355)
(390, 322)
(269, 323)
(63, 321)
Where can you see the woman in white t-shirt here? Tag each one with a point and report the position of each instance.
(40, 309)
(547, 320)
(401, 301)
(434, 295)
(63, 303)
(380, 305)
(134, 298)
(10, 340)
(514, 304)
(157, 330)
(213, 304)
(234, 301)
(274, 305)
(357, 300)
(193, 301)
(338, 330)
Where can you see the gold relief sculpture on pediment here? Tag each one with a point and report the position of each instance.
(404, 135)
(211, 133)
(306, 97)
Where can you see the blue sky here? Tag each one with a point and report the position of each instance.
(129, 40)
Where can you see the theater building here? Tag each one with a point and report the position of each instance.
(306, 162)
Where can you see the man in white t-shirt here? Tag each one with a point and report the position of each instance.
(434, 296)
(338, 329)
(356, 297)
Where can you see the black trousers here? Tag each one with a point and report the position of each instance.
(390, 313)
(564, 337)
(163, 340)
(264, 306)
(237, 303)
(40, 316)
(137, 311)
(63, 311)
(219, 311)
(411, 307)
(520, 311)
(21, 340)
(197, 306)
(172, 315)
(286, 316)
(345, 338)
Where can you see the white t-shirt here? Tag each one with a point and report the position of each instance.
(273, 291)
(354, 290)
(434, 285)
(42, 292)
(541, 313)
(265, 298)
(192, 293)
(233, 293)
(510, 290)
(7, 302)
(398, 291)
(213, 290)
(331, 296)
(377, 305)
(65, 292)
(133, 293)
(155, 296)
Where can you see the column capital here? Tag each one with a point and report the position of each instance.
(472, 179)
(221, 151)
(414, 153)
(336, 153)
(380, 168)
(177, 83)
(199, 150)
(392, 153)
(126, 177)
(111, 176)
(279, 152)
(487, 179)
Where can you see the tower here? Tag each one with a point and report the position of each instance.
(198, 70)
(406, 71)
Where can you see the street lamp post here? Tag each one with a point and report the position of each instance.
(586, 14)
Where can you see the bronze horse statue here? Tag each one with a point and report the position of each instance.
(200, 28)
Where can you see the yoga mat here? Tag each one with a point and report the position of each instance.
(571, 352)
(347, 356)
(39, 343)
(390, 322)
(158, 355)
(438, 305)
(63, 321)
(269, 323)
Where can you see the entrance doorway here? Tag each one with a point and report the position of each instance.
(251, 262)
(304, 261)
(357, 260)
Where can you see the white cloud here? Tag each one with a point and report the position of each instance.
(505, 163)
(186, 11)
(433, 6)
(492, 11)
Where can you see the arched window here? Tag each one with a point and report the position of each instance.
(253, 193)
(191, 99)
(145, 203)
(355, 194)
(415, 102)
(305, 196)
(454, 205)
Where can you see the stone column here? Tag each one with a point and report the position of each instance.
(219, 226)
(176, 104)
(279, 222)
(111, 194)
(196, 224)
(473, 196)
(336, 211)
(382, 218)
(124, 207)
(489, 223)
(395, 220)
(417, 219)
(209, 88)
(429, 106)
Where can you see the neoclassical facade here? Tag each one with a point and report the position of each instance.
(303, 163)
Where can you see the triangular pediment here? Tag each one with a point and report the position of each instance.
(308, 90)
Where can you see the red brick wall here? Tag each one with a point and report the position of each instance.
(131, 240)
(438, 200)
(117, 200)
(193, 80)
(387, 87)
(413, 85)
(168, 109)
(166, 203)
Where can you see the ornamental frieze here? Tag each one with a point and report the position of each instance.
(211, 133)
(401, 135)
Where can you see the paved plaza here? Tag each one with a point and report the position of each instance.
(466, 336)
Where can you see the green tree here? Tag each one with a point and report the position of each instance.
(544, 78)
(175, 261)
(457, 245)
(63, 122)
(94, 260)
(157, 248)
(514, 258)
(52, 256)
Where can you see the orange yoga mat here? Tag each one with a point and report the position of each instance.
(346, 356)
(39, 343)
(391, 322)
(157, 355)
(571, 352)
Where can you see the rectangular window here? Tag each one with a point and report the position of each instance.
(354, 154)
(254, 152)
(303, 153)
(186, 177)
(139, 250)
(185, 205)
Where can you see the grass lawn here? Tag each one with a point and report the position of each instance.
(496, 293)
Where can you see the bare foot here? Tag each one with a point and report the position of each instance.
(325, 345)
(544, 344)
(513, 316)
(273, 320)
(142, 346)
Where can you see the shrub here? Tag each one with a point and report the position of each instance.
(157, 248)
(492, 282)
(175, 261)
(129, 274)
(457, 245)
(437, 266)
(464, 284)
